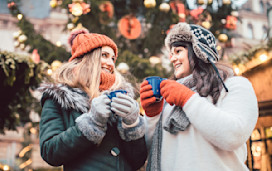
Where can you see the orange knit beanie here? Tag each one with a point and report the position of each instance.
(83, 42)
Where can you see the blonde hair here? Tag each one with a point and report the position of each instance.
(84, 73)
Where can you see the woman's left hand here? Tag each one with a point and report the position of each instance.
(125, 107)
(175, 93)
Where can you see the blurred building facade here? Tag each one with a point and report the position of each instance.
(253, 32)
(252, 28)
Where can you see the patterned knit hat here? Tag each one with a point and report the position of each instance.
(202, 40)
(83, 42)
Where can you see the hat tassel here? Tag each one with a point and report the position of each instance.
(216, 70)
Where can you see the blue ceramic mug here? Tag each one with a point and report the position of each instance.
(155, 82)
(113, 93)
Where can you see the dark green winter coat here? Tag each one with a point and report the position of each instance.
(67, 140)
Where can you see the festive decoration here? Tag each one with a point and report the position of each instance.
(79, 26)
(200, 2)
(108, 8)
(226, 2)
(164, 7)
(35, 56)
(11, 5)
(252, 57)
(210, 2)
(130, 27)
(179, 9)
(53, 3)
(196, 12)
(206, 24)
(55, 65)
(20, 16)
(18, 74)
(107, 12)
(140, 67)
(235, 13)
(123, 67)
(58, 43)
(47, 51)
(150, 3)
(223, 38)
(205, 19)
(78, 7)
(20, 39)
(154, 60)
(231, 22)
(70, 26)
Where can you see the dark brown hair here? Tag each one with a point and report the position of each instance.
(205, 79)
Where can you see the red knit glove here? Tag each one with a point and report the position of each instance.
(175, 93)
(148, 101)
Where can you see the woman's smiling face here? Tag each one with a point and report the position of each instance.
(108, 59)
(179, 59)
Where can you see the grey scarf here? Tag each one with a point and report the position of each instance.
(177, 121)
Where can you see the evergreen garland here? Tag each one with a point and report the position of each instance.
(47, 50)
(18, 75)
(250, 54)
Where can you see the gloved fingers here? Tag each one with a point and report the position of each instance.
(144, 83)
(121, 107)
(123, 102)
(102, 99)
(107, 101)
(169, 84)
(163, 91)
(124, 97)
(106, 112)
(106, 92)
(168, 100)
(145, 88)
(163, 83)
(147, 102)
(147, 94)
(120, 111)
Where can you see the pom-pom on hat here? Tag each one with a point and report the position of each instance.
(82, 42)
(203, 41)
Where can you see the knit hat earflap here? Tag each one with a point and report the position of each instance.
(82, 42)
(203, 43)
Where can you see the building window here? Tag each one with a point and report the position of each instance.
(265, 32)
(262, 7)
(4, 24)
(250, 34)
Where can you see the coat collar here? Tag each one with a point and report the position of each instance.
(66, 97)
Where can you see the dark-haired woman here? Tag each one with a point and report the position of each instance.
(207, 114)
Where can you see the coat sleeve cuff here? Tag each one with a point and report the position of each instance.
(131, 133)
(132, 125)
(90, 129)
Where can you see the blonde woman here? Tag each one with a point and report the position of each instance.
(81, 128)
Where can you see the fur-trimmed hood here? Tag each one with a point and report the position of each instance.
(72, 98)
